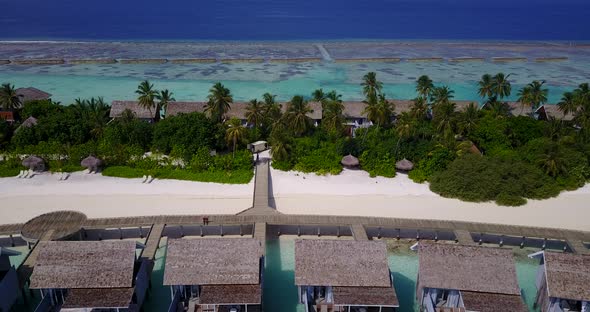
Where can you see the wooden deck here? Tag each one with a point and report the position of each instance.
(63, 224)
(280, 219)
(260, 203)
(577, 246)
(359, 232)
(464, 237)
(153, 241)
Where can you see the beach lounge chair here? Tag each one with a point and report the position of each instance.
(145, 178)
(66, 176)
(150, 179)
(20, 174)
(26, 174)
(31, 173)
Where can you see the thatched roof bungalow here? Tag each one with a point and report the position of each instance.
(92, 163)
(118, 107)
(34, 163)
(404, 165)
(350, 161)
(563, 282)
(340, 274)
(31, 94)
(175, 108)
(220, 273)
(549, 111)
(9, 286)
(470, 277)
(89, 275)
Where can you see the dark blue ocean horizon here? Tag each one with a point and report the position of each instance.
(268, 20)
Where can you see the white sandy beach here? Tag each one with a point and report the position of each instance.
(100, 197)
(354, 193)
(351, 193)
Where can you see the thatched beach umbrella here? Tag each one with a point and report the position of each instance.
(404, 165)
(92, 163)
(35, 163)
(349, 161)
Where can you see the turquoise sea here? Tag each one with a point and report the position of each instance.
(250, 80)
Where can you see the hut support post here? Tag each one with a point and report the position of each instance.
(120, 233)
(241, 231)
(11, 240)
(221, 230)
(140, 232)
(338, 231)
(246, 308)
(299, 230)
(172, 292)
(201, 227)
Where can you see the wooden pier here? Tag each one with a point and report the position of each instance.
(153, 241)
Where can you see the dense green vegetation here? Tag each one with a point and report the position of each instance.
(180, 146)
(467, 153)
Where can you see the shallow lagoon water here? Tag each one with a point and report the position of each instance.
(191, 82)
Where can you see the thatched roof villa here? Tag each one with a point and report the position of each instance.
(467, 278)
(118, 107)
(547, 112)
(336, 275)
(74, 275)
(237, 109)
(217, 274)
(563, 282)
(31, 94)
(9, 286)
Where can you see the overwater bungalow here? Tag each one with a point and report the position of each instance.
(563, 282)
(118, 107)
(548, 112)
(467, 278)
(9, 287)
(89, 276)
(343, 276)
(214, 274)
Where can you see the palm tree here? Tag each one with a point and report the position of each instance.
(280, 142)
(371, 86)
(164, 97)
(468, 118)
(424, 87)
(255, 113)
(234, 133)
(219, 102)
(552, 161)
(419, 109)
(333, 117)
(485, 86)
(567, 104)
(272, 110)
(378, 110)
(297, 115)
(441, 95)
(9, 100)
(318, 95)
(147, 95)
(444, 117)
(533, 94)
(582, 95)
(501, 86)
